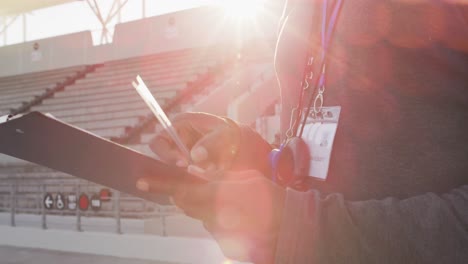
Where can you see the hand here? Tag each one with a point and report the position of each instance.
(242, 211)
(211, 140)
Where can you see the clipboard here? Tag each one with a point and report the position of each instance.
(44, 140)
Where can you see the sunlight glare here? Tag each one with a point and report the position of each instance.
(242, 9)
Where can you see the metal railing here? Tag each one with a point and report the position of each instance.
(26, 196)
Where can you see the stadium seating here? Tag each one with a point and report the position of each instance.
(19, 89)
(106, 104)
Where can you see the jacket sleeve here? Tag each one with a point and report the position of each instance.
(428, 228)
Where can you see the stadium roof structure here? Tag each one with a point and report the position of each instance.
(12, 9)
(15, 7)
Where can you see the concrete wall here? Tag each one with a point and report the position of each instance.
(56, 52)
(199, 27)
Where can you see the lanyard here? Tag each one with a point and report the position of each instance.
(328, 26)
(326, 35)
(327, 31)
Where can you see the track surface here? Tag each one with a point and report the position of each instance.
(14, 255)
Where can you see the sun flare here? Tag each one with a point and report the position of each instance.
(242, 9)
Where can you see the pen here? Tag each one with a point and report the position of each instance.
(158, 112)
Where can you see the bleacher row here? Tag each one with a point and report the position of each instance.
(103, 101)
(18, 90)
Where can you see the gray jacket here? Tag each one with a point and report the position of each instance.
(397, 189)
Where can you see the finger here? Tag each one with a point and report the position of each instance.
(198, 194)
(197, 171)
(201, 173)
(166, 149)
(164, 185)
(204, 124)
(148, 184)
(216, 147)
(210, 173)
(190, 127)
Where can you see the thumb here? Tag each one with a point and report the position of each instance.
(217, 147)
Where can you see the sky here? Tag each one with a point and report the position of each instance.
(78, 16)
